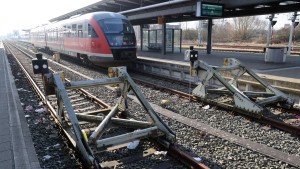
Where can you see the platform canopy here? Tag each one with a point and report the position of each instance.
(109, 5)
(147, 11)
(144, 12)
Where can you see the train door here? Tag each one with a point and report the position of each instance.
(81, 40)
(92, 35)
(74, 37)
(67, 39)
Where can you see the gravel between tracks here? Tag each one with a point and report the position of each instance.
(55, 159)
(222, 120)
(51, 148)
(215, 152)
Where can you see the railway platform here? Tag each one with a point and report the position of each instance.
(16, 147)
(288, 70)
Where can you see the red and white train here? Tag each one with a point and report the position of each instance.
(99, 38)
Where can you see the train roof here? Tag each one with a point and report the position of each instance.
(103, 15)
(95, 15)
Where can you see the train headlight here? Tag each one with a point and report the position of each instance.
(40, 65)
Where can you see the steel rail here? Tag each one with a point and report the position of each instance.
(86, 93)
(43, 98)
(173, 150)
(185, 158)
(292, 110)
(295, 130)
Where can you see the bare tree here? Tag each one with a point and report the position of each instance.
(248, 27)
(222, 31)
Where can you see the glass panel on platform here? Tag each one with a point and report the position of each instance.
(177, 40)
(145, 39)
(169, 40)
(152, 40)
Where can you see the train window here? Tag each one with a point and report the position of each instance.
(74, 30)
(91, 32)
(116, 26)
(118, 32)
(74, 27)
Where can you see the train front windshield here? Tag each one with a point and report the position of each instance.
(118, 32)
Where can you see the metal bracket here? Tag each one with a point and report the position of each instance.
(154, 127)
(242, 99)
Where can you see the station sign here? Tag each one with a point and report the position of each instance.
(207, 9)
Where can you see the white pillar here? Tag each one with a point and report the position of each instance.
(291, 33)
(270, 29)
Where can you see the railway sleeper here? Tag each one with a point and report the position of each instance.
(252, 102)
(153, 127)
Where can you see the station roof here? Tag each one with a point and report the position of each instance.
(109, 5)
(147, 11)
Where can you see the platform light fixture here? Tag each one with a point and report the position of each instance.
(296, 23)
(273, 22)
(272, 19)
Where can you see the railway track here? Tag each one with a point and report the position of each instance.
(245, 48)
(196, 128)
(85, 105)
(281, 121)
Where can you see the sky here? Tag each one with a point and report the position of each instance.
(24, 14)
(18, 15)
(282, 19)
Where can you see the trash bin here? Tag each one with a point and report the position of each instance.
(275, 54)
